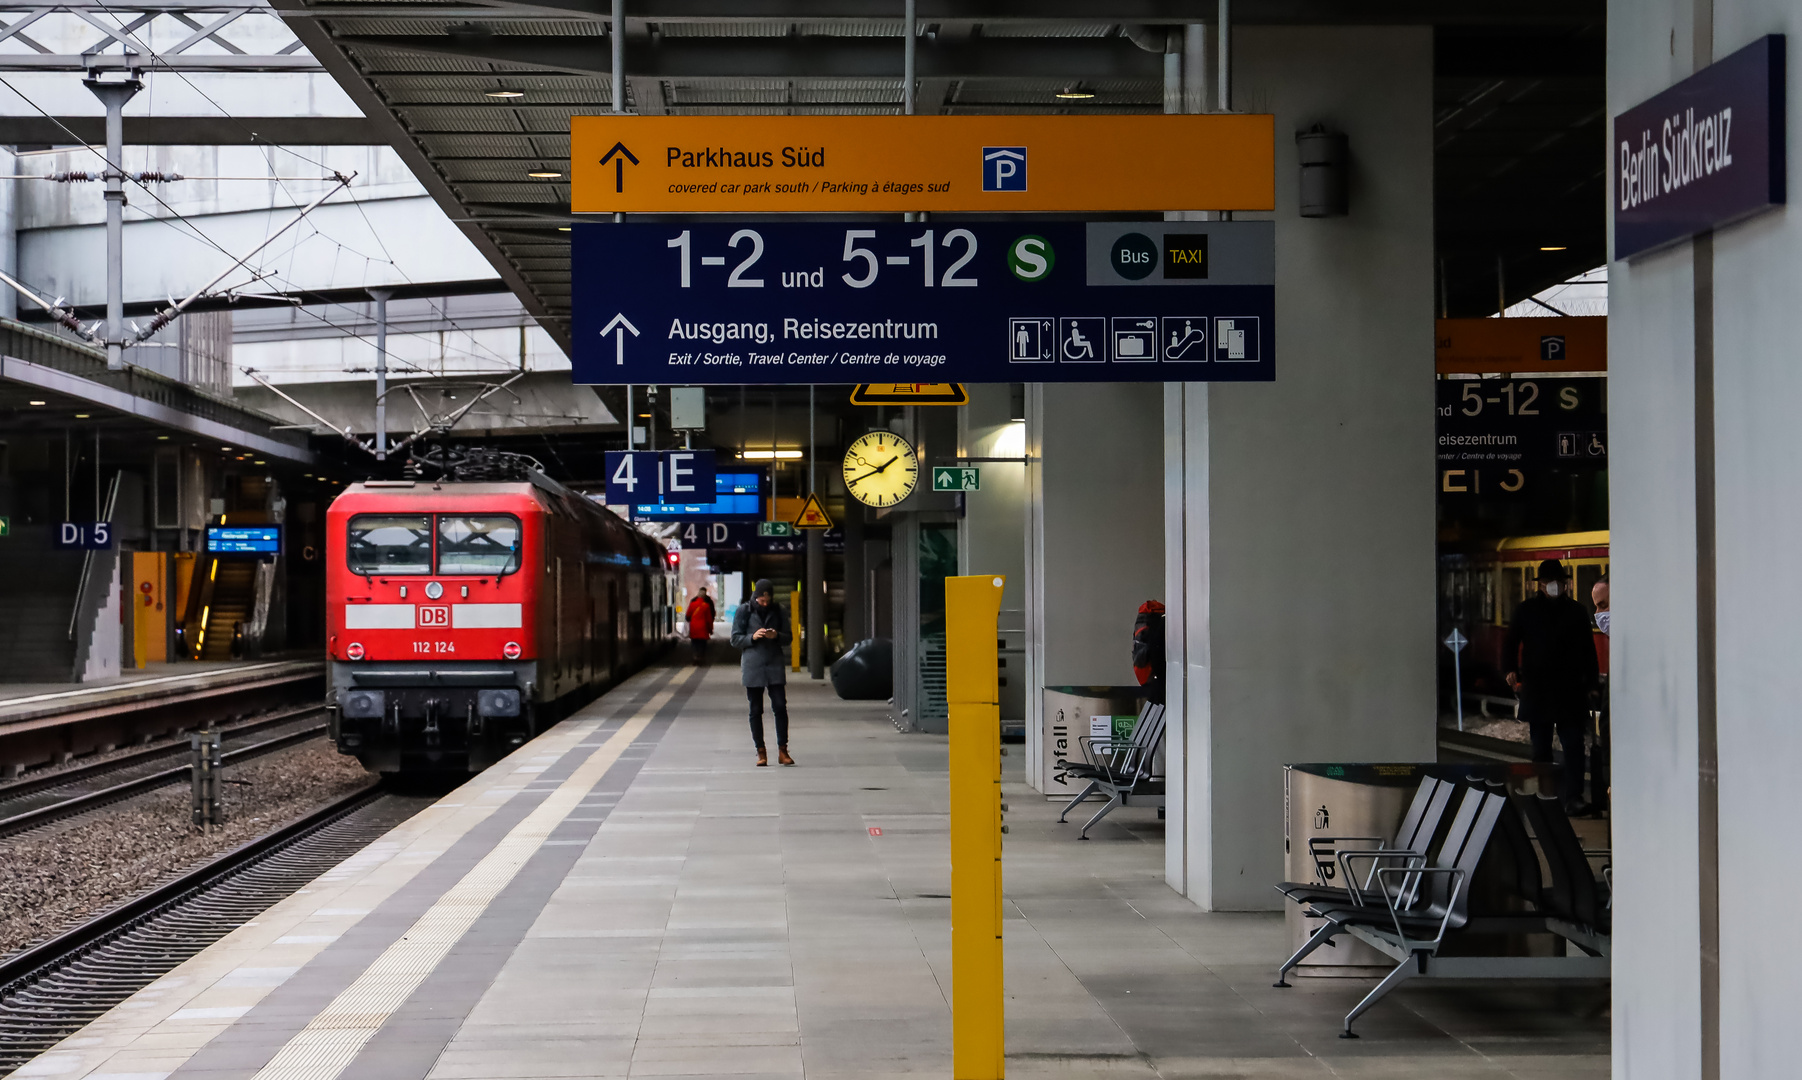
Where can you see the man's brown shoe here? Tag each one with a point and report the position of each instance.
(763, 756)
(782, 757)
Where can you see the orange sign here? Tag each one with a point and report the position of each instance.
(909, 394)
(813, 515)
(816, 164)
(1506, 346)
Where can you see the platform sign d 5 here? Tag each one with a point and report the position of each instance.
(88, 535)
(1014, 301)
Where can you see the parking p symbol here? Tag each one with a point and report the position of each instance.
(1004, 168)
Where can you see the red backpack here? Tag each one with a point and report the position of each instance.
(1148, 641)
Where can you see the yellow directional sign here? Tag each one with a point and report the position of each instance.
(813, 515)
(765, 164)
(909, 394)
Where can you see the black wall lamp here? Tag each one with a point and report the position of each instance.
(1325, 162)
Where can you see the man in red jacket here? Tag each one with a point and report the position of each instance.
(700, 624)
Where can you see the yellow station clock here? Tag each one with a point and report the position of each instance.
(881, 469)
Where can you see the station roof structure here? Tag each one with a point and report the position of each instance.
(477, 96)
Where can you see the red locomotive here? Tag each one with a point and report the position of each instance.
(464, 618)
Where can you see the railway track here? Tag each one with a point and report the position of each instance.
(28, 804)
(53, 989)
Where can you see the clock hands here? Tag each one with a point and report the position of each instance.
(876, 470)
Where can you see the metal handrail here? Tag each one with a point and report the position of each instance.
(83, 588)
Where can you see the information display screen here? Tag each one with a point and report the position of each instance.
(738, 496)
(244, 539)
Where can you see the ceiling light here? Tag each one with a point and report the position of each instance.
(1074, 93)
(227, 449)
(262, 463)
(563, 228)
(544, 174)
(1552, 248)
(506, 93)
(765, 455)
(162, 438)
(82, 415)
(40, 403)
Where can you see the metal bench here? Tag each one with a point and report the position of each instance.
(1416, 831)
(1415, 908)
(1123, 771)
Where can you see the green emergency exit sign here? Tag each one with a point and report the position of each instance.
(956, 478)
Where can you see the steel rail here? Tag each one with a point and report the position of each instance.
(31, 819)
(31, 785)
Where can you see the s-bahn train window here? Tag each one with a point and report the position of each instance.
(390, 544)
(478, 543)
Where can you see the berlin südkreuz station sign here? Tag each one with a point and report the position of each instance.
(933, 301)
(1705, 153)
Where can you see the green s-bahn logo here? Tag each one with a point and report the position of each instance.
(1031, 258)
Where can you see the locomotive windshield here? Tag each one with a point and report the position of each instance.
(390, 544)
(478, 543)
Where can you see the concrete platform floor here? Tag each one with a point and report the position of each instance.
(680, 912)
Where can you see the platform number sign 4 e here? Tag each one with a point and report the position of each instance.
(881, 469)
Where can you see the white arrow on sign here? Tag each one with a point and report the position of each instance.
(618, 327)
(1456, 641)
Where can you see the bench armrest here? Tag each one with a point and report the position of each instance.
(1451, 902)
(1321, 848)
(1411, 859)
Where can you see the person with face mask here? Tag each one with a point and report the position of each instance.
(1551, 665)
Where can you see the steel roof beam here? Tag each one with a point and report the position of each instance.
(1245, 12)
(199, 130)
(789, 58)
(184, 62)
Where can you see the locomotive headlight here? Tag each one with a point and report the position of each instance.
(433, 590)
(511, 650)
(364, 705)
(497, 702)
(354, 650)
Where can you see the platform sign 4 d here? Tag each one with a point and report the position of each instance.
(1014, 301)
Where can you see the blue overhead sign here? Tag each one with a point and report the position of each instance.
(677, 477)
(1018, 301)
(1707, 152)
(737, 496)
(244, 540)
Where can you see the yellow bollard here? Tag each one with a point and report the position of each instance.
(795, 625)
(972, 607)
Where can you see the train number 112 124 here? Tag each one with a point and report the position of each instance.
(434, 647)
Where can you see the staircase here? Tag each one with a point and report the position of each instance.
(234, 592)
(38, 586)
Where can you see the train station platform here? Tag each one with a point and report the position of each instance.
(629, 895)
(24, 702)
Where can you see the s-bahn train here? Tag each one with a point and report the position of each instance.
(1481, 583)
(464, 618)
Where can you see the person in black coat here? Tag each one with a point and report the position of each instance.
(1551, 664)
(761, 632)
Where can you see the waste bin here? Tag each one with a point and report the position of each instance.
(1339, 800)
(1075, 711)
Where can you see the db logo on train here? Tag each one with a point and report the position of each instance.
(434, 616)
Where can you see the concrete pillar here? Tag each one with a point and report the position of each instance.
(991, 534)
(1703, 732)
(9, 231)
(1094, 535)
(1299, 514)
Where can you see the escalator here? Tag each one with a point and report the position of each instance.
(233, 595)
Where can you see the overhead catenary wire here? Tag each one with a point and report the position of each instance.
(127, 30)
